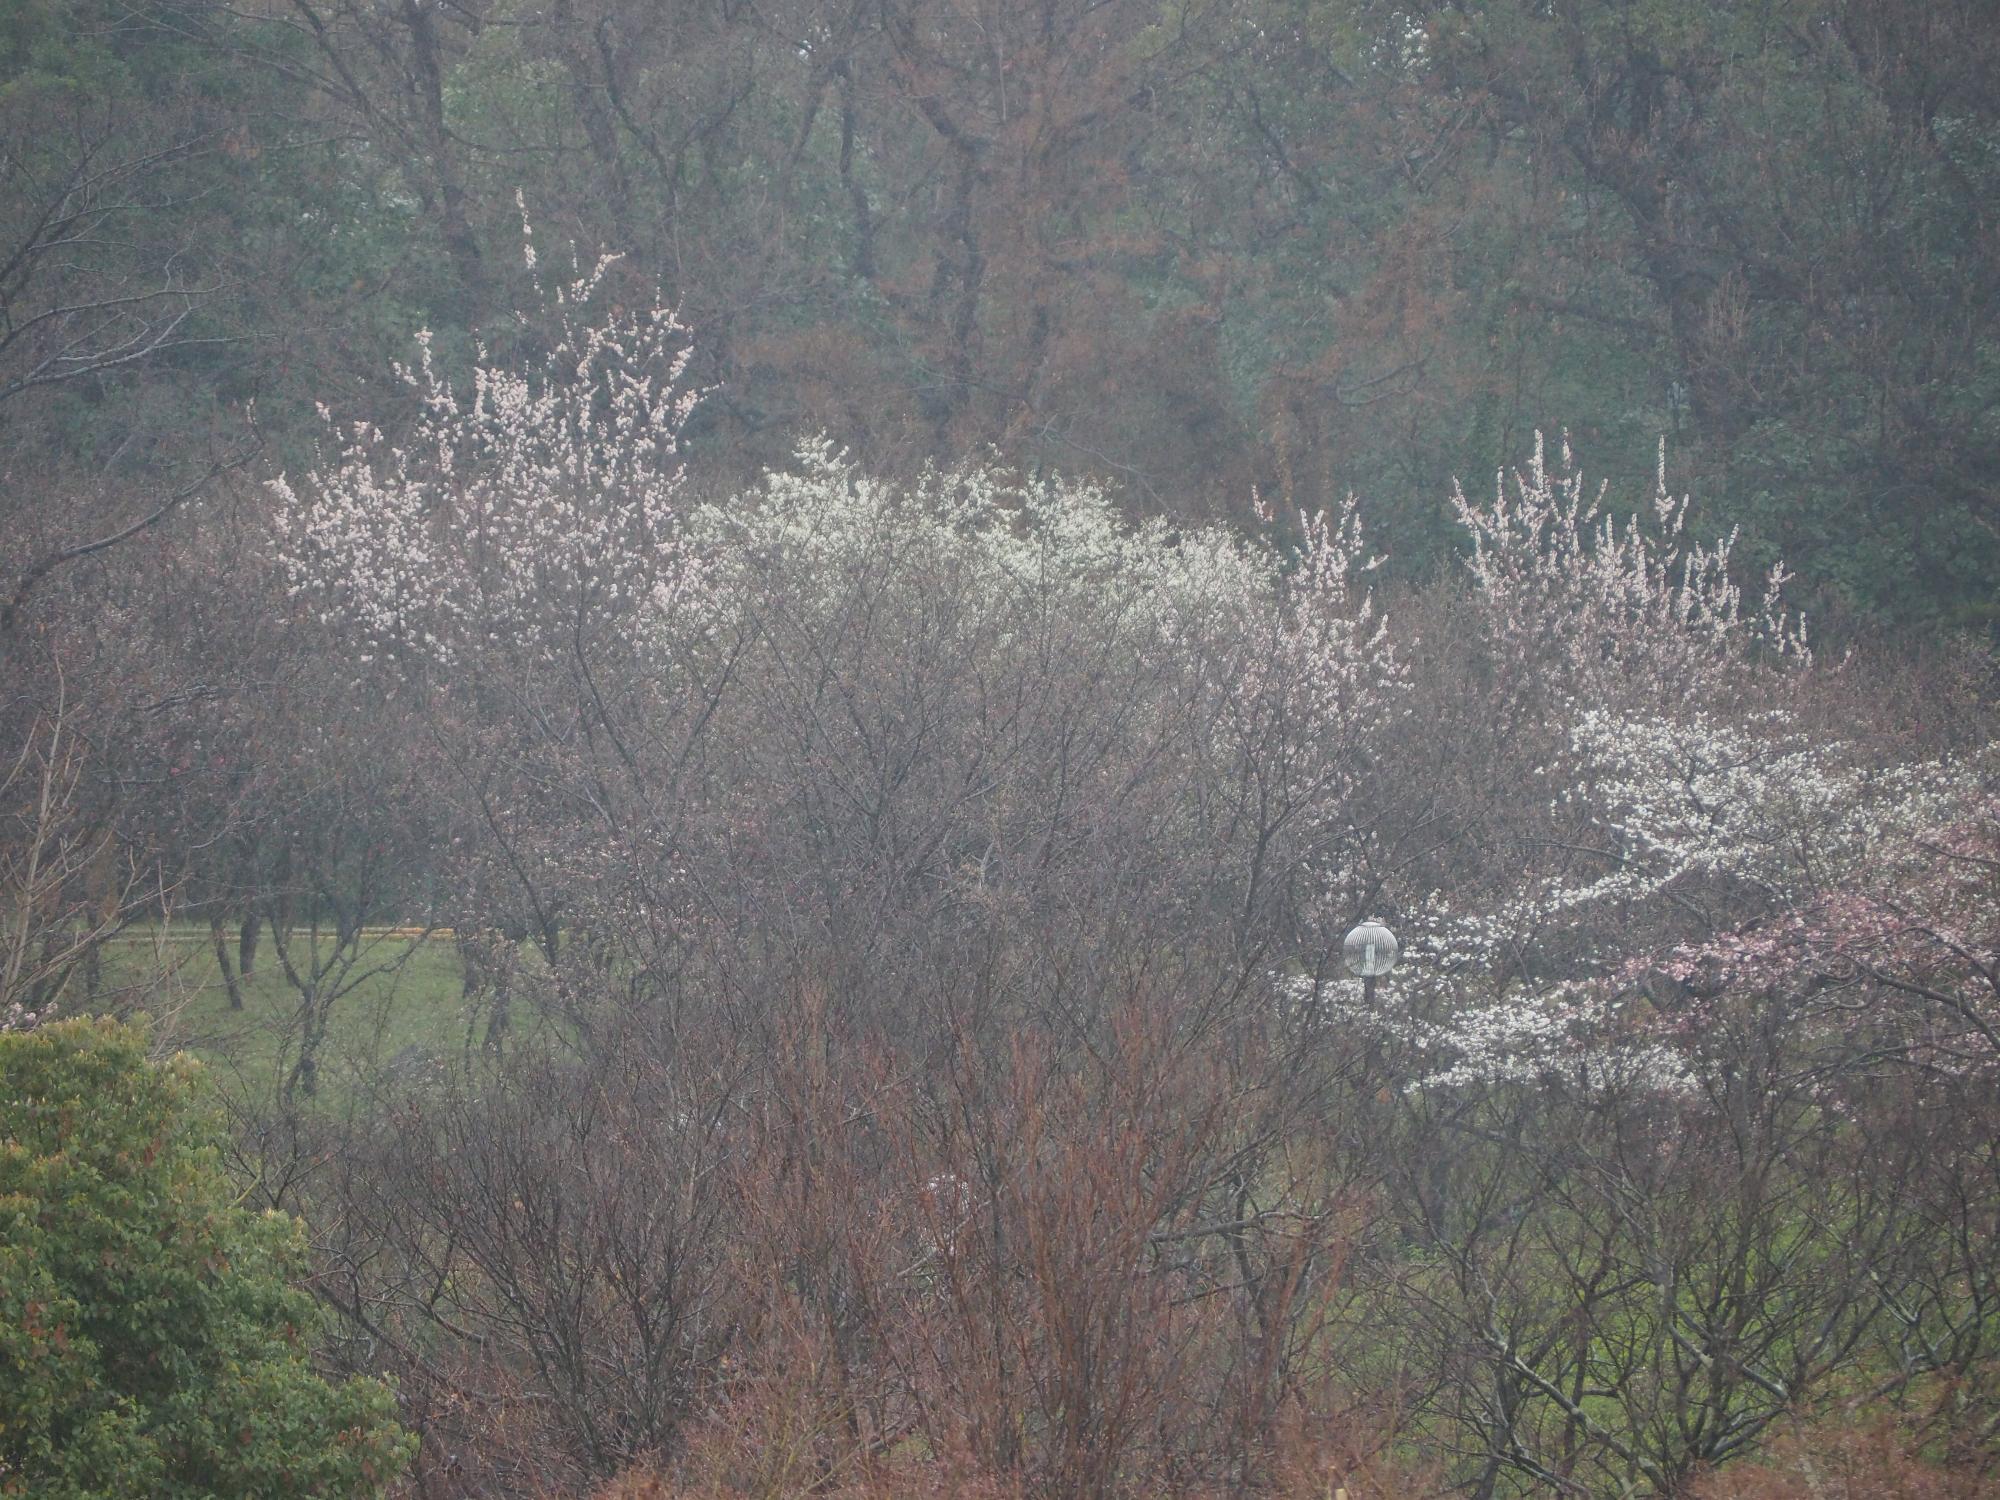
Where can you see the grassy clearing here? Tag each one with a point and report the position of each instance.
(414, 1008)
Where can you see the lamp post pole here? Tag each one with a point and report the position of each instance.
(1370, 951)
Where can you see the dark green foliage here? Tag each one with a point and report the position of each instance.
(150, 1341)
(1289, 245)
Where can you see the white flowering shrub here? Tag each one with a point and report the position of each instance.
(522, 505)
(1609, 611)
(1020, 550)
(1719, 816)
(1718, 824)
(1573, 1033)
(1667, 791)
(1290, 647)
(1019, 670)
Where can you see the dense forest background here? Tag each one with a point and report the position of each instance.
(1207, 251)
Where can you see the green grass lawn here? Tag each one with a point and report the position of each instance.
(414, 1008)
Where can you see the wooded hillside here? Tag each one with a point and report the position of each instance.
(1197, 248)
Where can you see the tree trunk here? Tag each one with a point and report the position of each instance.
(246, 945)
(216, 937)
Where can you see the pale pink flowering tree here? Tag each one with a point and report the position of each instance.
(1905, 946)
(1690, 1069)
(1657, 786)
(1730, 860)
(530, 509)
(515, 562)
(1611, 611)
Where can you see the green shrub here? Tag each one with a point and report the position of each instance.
(151, 1342)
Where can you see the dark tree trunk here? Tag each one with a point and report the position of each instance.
(246, 945)
(229, 982)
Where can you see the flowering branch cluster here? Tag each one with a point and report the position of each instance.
(1674, 804)
(515, 510)
(1023, 553)
(1023, 549)
(1610, 611)
(1905, 944)
(1673, 801)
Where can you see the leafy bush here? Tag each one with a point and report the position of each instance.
(150, 1340)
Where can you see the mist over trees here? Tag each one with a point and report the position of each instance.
(739, 668)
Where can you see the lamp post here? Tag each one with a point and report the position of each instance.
(1370, 952)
